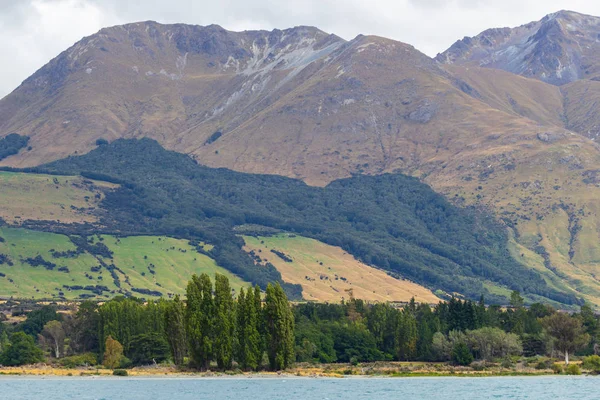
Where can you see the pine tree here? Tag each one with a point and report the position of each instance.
(279, 321)
(199, 320)
(175, 330)
(224, 322)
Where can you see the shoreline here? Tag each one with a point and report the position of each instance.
(50, 372)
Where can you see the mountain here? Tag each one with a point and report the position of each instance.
(308, 105)
(561, 48)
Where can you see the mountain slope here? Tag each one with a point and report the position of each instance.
(561, 48)
(390, 221)
(169, 82)
(304, 104)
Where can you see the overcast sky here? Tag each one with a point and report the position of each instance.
(34, 31)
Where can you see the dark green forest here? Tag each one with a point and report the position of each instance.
(390, 221)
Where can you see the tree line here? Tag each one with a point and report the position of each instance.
(253, 330)
(210, 329)
(457, 331)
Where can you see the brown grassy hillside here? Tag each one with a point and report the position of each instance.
(327, 273)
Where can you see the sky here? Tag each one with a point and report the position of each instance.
(34, 31)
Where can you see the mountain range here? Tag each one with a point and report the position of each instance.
(505, 121)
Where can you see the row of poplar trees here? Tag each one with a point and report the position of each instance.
(213, 326)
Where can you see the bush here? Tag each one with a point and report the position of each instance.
(480, 365)
(101, 142)
(592, 363)
(80, 360)
(507, 363)
(573, 369)
(125, 363)
(543, 365)
(557, 368)
(120, 372)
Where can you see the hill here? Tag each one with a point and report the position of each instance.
(45, 265)
(327, 273)
(63, 199)
(390, 221)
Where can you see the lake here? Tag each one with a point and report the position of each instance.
(459, 388)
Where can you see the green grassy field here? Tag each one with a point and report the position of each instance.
(145, 262)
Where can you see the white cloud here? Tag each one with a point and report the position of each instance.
(34, 31)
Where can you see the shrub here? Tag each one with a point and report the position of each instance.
(573, 369)
(507, 363)
(592, 363)
(101, 142)
(557, 368)
(543, 365)
(120, 372)
(80, 360)
(125, 363)
(480, 365)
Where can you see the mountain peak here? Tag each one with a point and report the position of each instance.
(560, 48)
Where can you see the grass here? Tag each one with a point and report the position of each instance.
(66, 199)
(174, 261)
(316, 265)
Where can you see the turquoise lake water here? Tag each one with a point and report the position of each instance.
(538, 388)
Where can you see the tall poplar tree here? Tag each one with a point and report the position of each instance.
(240, 322)
(279, 324)
(224, 322)
(199, 320)
(175, 330)
(254, 340)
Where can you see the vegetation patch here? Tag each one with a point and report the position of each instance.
(12, 144)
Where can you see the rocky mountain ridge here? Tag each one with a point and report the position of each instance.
(559, 49)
